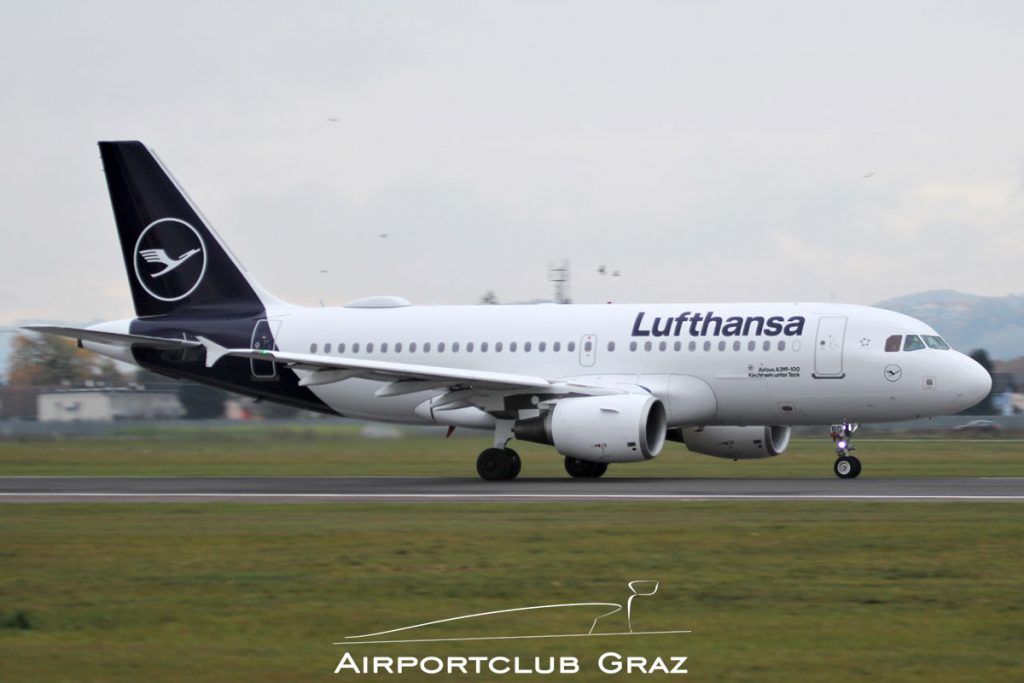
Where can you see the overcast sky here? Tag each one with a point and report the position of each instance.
(710, 151)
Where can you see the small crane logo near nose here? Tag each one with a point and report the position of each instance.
(893, 373)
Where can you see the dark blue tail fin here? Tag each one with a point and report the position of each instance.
(175, 261)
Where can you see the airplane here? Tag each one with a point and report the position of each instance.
(604, 383)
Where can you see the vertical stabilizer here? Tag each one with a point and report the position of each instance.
(175, 261)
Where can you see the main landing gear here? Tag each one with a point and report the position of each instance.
(846, 466)
(497, 464)
(501, 463)
(584, 469)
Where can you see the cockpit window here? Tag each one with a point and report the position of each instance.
(913, 343)
(934, 342)
(893, 343)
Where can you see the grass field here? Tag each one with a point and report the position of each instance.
(341, 451)
(772, 592)
(803, 591)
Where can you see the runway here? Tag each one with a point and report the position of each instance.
(425, 489)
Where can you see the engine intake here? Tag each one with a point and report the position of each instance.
(620, 428)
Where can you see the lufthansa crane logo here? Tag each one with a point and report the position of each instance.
(170, 259)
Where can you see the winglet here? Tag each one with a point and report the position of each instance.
(214, 351)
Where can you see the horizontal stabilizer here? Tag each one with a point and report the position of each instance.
(114, 338)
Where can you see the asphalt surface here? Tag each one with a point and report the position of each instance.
(425, 489)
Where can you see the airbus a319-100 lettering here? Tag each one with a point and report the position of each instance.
(601, 383)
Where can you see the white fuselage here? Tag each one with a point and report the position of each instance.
(828, 367)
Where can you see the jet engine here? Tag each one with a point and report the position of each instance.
(738, 443)
(620, 428)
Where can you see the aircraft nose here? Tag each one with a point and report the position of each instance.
(973, 382)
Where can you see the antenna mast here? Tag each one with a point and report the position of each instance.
(559, 274)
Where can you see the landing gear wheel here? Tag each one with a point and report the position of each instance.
(494, 464)
(584, 469)
(847, 467)
(516, 463)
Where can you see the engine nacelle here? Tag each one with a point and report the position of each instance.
(620, 428)
(738, 443)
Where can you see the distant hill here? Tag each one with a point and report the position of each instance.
(968, 321)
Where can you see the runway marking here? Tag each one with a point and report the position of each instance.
(519, 496)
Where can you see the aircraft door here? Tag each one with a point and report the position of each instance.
(263, 338)
(828, 348)
(588, 350)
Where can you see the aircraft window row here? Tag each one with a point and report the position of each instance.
(722, 345)
(454, 347)
(588, 346)
(913, 342)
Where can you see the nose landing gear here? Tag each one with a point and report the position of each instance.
(846, 466)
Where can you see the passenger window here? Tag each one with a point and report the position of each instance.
(893, 343)
(327, 347)
(736, 345)
(611, 346)
(751, 345)
(498, 346)
(440, 347)
(767, 346)
(412, 347)
(693, 346)
(782, 345)
(721, 346)
(483, 347)
(632, 346)
(556, 347)
(355, 348)
(512, 347)
(648, 346)
(341, 348)
(384, 347)
(542, 347)
(707, 346)
(312, 348)
(369, 347)
(588, 346)
(455, 347)
(426, 347)
(571, 346)
(398, 347)
(678, 346)
(662, 346)
(934, 342)
(913, 343)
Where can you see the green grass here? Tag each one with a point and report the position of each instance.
(341, 451)
(772, 592)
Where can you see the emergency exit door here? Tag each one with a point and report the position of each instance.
(828, 348)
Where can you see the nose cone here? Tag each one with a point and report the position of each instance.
(973, 383)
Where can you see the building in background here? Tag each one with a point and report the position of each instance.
(106, 404)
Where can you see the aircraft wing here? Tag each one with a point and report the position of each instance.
(115, 338)
(327, 369)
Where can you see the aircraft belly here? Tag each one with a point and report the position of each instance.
(355, 398)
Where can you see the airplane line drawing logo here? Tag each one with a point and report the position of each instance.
(160, 256)
(638, 588)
